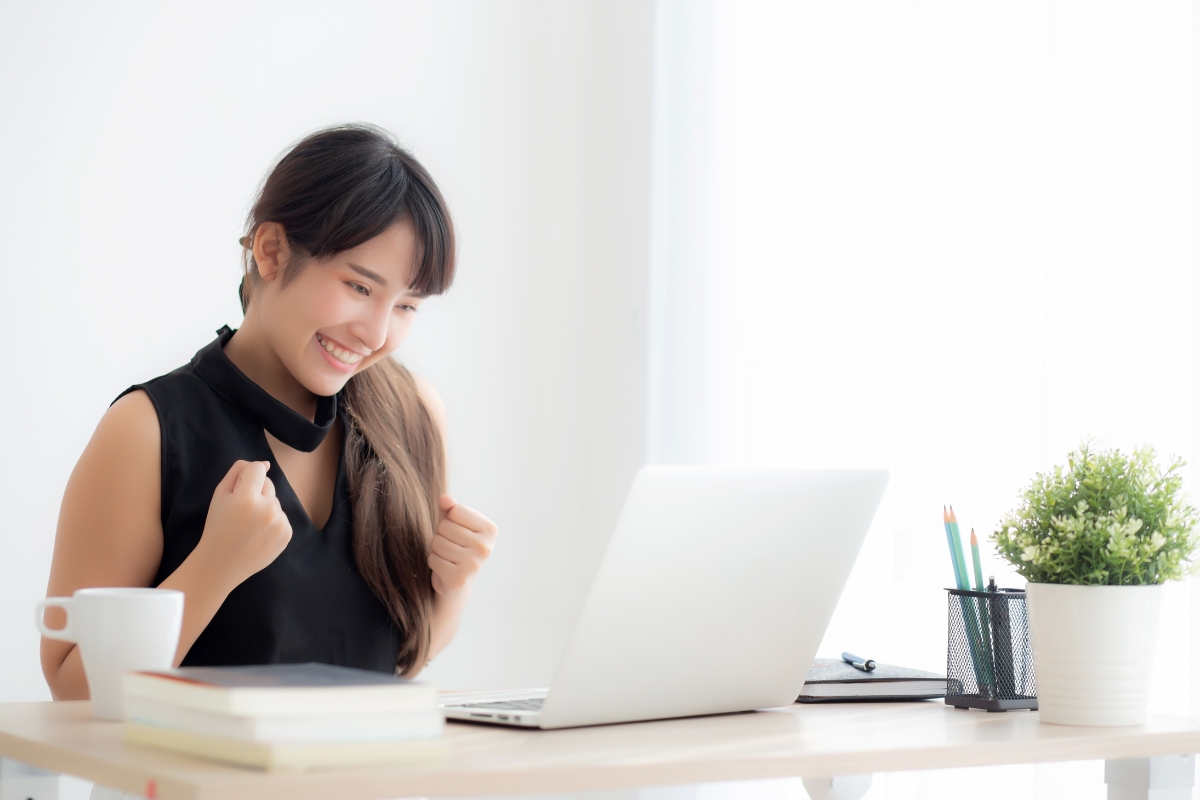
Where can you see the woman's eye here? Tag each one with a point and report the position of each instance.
(407, 309)
(358, 287)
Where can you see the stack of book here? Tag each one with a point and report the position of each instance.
(284, 716)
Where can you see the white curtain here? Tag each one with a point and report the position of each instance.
(950, 239)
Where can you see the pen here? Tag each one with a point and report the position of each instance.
(1002, 645)
(865, 664)
(975, 558)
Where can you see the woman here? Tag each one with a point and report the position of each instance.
(290, 480)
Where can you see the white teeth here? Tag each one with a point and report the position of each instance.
(337, 352)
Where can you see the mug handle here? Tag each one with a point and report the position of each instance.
(66, 632)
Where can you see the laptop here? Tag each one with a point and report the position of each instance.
(712, 597)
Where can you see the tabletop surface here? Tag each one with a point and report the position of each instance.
(799, 740)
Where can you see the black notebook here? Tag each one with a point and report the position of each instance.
(833, 680)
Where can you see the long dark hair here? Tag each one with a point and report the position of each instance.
(334, 190)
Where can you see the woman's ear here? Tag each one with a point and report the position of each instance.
(271, 251)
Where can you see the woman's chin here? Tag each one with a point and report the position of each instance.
(323, 383)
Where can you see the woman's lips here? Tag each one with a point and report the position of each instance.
(338, 357)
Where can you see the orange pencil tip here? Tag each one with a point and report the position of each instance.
(973, 539)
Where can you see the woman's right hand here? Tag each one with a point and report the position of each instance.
(246, 528)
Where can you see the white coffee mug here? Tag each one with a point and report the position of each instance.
(117, 630)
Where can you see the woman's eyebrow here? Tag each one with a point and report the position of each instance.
(366, 273)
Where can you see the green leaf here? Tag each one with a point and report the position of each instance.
(1104, 519)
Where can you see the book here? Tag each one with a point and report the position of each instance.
(286, 755)
(833, 680)
(385, 726)
(282, 690)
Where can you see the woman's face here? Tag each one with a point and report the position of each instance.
(340, 315)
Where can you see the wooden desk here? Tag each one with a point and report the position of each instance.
(809, 741)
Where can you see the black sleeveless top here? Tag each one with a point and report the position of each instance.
(311, 603)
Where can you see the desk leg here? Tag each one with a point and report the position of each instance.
(1157, 778)
(22, 782)
(844, 787)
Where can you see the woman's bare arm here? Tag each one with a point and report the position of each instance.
(447, 612)
(463, 542)
(110, 533)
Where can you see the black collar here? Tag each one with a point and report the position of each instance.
(283, 423)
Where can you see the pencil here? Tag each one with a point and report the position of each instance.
(964, 579)
(958, 578)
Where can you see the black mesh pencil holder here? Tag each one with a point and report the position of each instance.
(989, 663)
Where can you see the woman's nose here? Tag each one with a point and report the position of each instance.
(372, 329)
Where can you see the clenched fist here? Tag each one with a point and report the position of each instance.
(464, 540)
(246, 529)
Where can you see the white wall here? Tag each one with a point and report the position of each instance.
(951, 239)
(132, 137)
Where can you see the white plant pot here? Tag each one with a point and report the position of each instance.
(1092, 651)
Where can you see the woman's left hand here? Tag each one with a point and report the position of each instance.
(464, 540)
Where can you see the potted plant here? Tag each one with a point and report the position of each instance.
(1096, 540)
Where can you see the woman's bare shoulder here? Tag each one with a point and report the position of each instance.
(109, 525)
(432, 400)
(124, 449)
(131, 418)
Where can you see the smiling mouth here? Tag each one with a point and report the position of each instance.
(344, 356)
